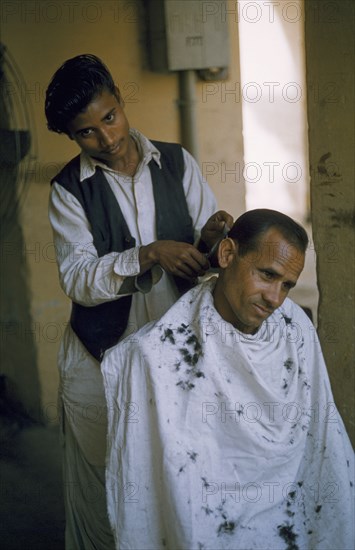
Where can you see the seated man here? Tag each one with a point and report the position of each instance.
(223, 433)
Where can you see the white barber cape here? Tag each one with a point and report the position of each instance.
(221, 440)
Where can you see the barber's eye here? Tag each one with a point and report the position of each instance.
(267, 274)
(110, 117)
(85, 133)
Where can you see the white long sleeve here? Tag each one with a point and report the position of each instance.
(85, 278)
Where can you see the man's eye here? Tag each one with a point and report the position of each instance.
(110, 117)
(85, 133)
(288, 286)
(267, 274)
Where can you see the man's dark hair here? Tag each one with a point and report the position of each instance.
(250, 226)
(74, 85)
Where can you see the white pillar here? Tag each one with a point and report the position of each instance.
(274, 106)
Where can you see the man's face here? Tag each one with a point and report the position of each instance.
(102, 130)
(251, 287)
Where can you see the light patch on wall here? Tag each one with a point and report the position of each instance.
(274, 106)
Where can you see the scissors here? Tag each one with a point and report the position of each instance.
(214, 248)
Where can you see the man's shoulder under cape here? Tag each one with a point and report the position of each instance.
(195, 311)
(222, 440)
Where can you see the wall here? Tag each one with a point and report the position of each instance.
(274, 107)
(40, 35)
(330, 31)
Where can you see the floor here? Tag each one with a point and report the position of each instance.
(31, 505)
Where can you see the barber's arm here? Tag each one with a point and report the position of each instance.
(85, 277)
(176, 258)
(182, 259)
(202, 206)
(214, 229)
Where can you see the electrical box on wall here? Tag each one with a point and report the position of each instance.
(187, 34)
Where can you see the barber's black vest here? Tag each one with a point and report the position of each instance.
(100, 327)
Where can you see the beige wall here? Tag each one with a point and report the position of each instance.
(40, 35)
(330, 33)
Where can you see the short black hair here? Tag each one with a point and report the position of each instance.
(74, 85)
(250, 226)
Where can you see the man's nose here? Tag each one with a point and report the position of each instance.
(273, 295)
(106, 138)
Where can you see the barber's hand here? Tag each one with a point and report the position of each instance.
(177, 258)
(213, 228)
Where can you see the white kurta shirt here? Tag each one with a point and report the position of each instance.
(90, 280)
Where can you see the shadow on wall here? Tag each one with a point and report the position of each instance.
(18, 356)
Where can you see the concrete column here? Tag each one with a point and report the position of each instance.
(330, 31)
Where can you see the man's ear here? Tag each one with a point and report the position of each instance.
(227, 251)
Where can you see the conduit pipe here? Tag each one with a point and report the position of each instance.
(187, 107)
